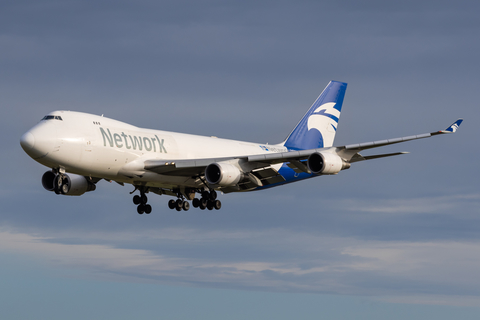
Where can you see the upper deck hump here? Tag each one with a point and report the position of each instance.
(82, 118)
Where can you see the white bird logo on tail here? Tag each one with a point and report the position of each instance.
(321, 121)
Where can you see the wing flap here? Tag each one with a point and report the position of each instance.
(268, 176)
(358, 157)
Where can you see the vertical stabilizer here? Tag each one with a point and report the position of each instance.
(318, 126)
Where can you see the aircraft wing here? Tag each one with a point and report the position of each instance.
(349, 153)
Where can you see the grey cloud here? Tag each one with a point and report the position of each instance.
(320, 264)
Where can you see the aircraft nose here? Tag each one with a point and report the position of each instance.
(27, 141)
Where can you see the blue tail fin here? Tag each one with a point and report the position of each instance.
(318, 126)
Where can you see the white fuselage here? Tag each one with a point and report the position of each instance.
(99, 147)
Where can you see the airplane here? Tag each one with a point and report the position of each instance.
(81, 149)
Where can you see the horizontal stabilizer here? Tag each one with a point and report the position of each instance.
(359, 157)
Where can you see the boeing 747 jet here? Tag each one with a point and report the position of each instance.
(81, 149)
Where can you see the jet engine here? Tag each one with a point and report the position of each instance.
(223, 174)
(67, 184)
(326, 163)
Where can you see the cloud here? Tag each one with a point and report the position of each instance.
(448, 204)
(300, 263)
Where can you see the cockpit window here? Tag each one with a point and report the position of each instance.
(52, 118)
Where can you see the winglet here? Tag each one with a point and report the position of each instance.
(453, 128)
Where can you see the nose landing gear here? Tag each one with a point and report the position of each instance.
(60, 184)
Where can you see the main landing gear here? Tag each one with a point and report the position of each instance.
(141, 201)
(178, 204)
(207, 201)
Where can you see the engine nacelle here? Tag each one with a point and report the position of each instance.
(326, 163)
(223, 174)
(67, 184)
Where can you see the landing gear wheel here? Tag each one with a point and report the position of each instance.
(58, 183)
(137, 199)
(210, 205)
(213, 195)
(185, 205)
(172, 204)
(217, 204)
(64, 188)
(202, 205)
(195, 203)
(178, 204)
(148, 208)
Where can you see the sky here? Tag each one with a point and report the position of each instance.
(390, 238)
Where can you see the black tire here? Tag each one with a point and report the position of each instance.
(178, 208)
(57, 184)
(144, 199)
(210, 205)
(172, 204)
(64, 188)
(202, 206)
(178, 204)
(213, 195)
(217, 204)
(148, 209)
(140, 209)
(185, 205)
(205, 195)
(137, 199)
(195, 203)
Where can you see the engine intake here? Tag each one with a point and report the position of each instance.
(67, 184)
(326, 163)
(223, 174)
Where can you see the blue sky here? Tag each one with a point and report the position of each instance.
(395, 237)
